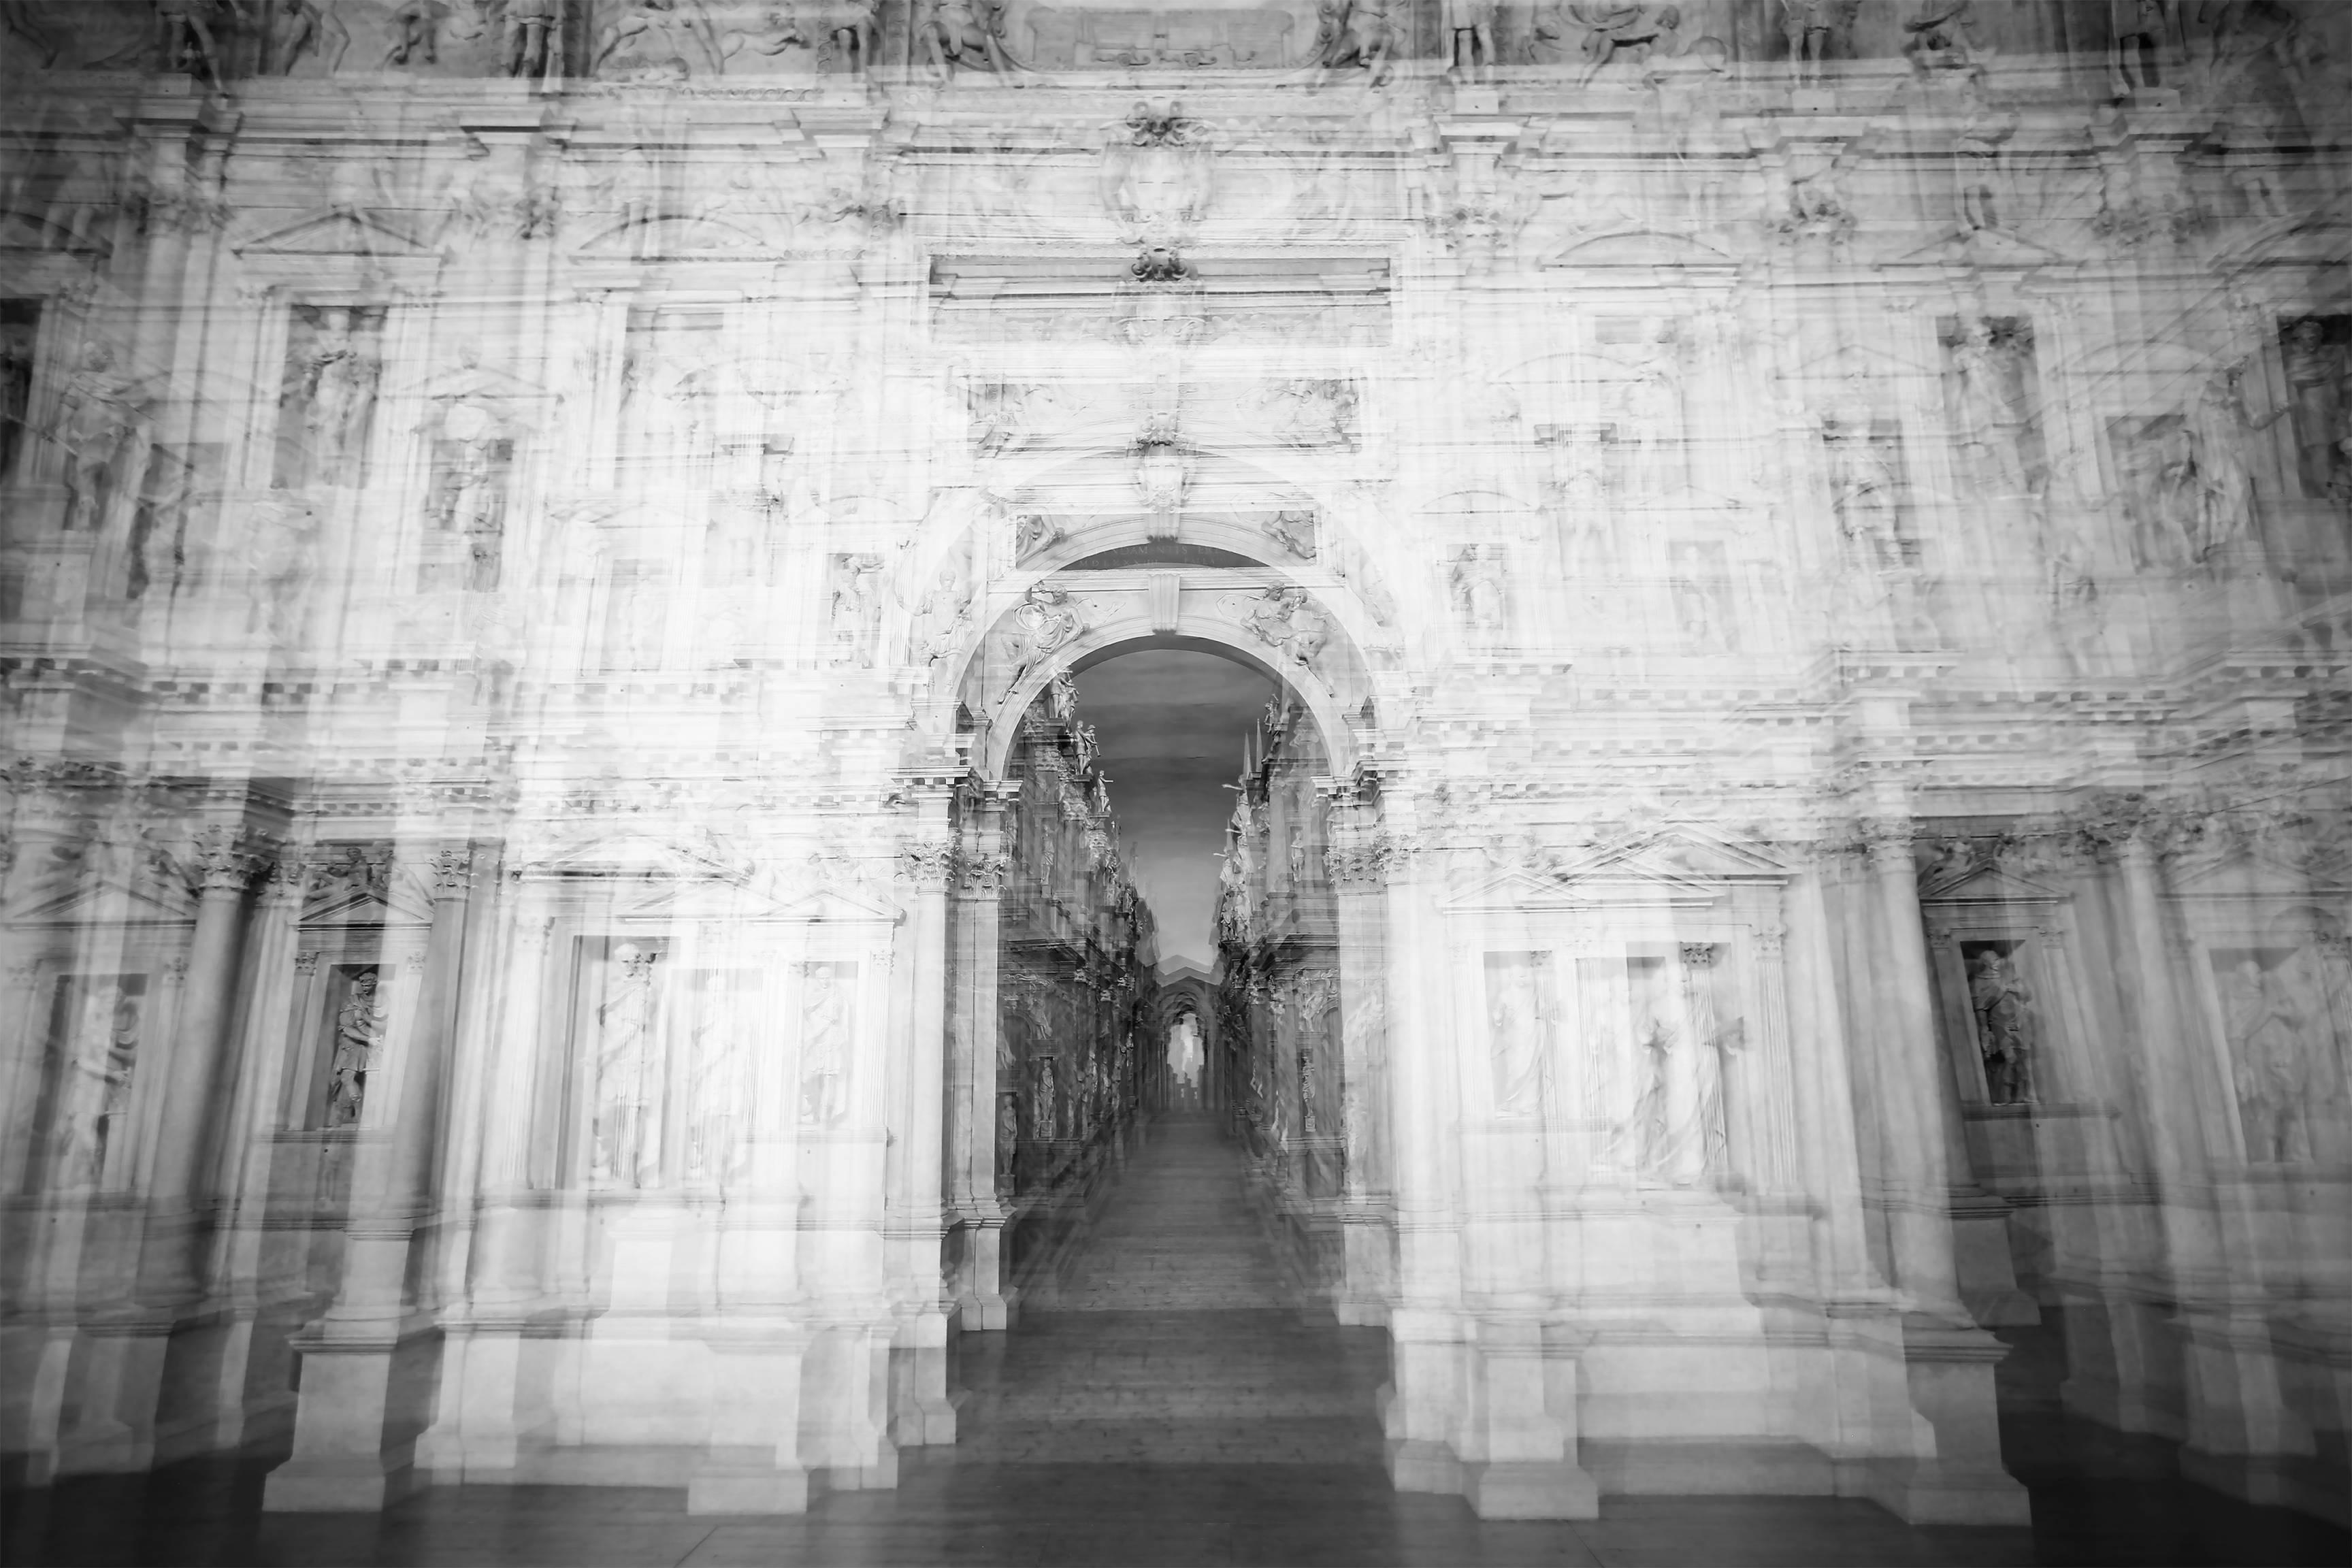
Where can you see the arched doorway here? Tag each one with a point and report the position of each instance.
(1286, 988)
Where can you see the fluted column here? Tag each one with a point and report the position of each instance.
(983, 1298)
(366, 1365)
(1915, 1164)
(1958, 1478)
(913, 1228)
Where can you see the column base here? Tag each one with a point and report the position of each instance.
(356, 1426)
(1527, 1489)
(339, 1486)
(748, 1485)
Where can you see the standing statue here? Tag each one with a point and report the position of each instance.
(1478, 589)
(2314, 379)
(1988, 403)
(963, 35)
(337, 387)
(531, 27)
(1865, 490)
(2003, 1009)
(825, 1049)
(1469, 27)
(2221, 488)
(98, 1093)
(1652, 399)
(1812, 27)
(625, 1131)
(1516, 1048)
(186, 41)
(101, 427)
(2267, 1030)
(2147, 40)
(360, 1026)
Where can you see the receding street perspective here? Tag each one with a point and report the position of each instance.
(1175, 784)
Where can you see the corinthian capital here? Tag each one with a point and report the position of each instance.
(928, 865)
(226, 858)
(452, 871)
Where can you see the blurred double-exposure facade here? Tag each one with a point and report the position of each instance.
(561, 922)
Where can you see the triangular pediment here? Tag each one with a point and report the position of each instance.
(1980, 883)
(852, 905)
(345, 903)
(643, 856)
(335, 234)
(1672, 866)
(136, 901)
(664, 238)
(1681, 857)
(2227, 870)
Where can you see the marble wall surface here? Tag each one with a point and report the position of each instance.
(554, 875)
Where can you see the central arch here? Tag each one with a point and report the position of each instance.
(1293, 1009)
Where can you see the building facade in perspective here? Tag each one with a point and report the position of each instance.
(564, 920)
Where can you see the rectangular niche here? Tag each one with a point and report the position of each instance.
(82, 1124)
(20, 330)
(327, 392)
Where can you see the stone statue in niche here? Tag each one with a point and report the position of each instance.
(101, 1054)
(825, 1046)
(1651, 400)
(2220, 486)
(855, 612)
(2269, 1025)
(626, 1132)
(2004, 1017)
(1008, 1135)
(472, 452)
(19, 340)
(2313, 348)
(1480, 602)
(963, 36)
(1520, 1017)
(1678, 1118)
(1696, 586)
(332, 369)
(1990, 389)
(669, 377)
(718, 1093)
(360, 1025)
(1468, 27)
(1355, 35)
(308, 26)
(102, 427)
(1866, 483)
(1814, 30)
